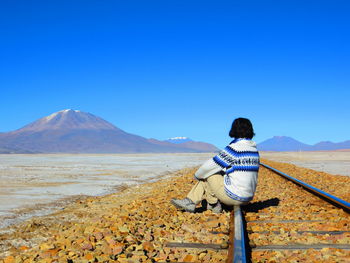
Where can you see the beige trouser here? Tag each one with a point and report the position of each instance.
(212, 189)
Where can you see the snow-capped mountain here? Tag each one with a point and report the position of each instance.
(73, 131)
(177, 140)
(189, 143)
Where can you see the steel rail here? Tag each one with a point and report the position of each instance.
(237, 249)
(239, 254)
(330, 198)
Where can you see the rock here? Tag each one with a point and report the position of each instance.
(117, 248)
(9, 259)
(86, 246)
(110, 240)
(46, 246)
(188, 258)
(89, 256)
(98, 235)
(23, 248)
(123, 230)
(148, 246)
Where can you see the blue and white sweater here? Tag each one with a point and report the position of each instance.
(240, 161)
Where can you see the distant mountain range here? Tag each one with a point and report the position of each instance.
(72, 131)
(284, 143)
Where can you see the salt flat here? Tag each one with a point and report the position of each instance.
(337, 163)
(37, 184)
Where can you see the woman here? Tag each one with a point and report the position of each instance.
(229, 177)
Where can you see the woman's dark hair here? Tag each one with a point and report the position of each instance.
(242, 128)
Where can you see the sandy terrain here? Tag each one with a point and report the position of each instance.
(336, 162)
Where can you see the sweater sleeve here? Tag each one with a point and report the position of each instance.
(207, 169)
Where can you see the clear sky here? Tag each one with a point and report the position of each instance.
(161, 69)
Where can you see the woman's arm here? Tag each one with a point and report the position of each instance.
(207, 169)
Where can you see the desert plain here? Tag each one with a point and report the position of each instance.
(37, 184)
(332, 162)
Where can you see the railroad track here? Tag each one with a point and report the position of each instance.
(290, 221)
(315, 229)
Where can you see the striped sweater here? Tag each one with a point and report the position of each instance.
(240, 162)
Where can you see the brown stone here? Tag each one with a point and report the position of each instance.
(46, 246)
(89, 256)
(9, 259)
(87, 246)
(98, 235)
(148, 246)
(23, 248)
(117, 249)
(110, 240)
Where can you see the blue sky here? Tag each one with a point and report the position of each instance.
(180, 68)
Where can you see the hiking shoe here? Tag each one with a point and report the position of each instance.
(184, 204)
(216, 208)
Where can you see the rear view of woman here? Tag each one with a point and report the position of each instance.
(229, 177)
